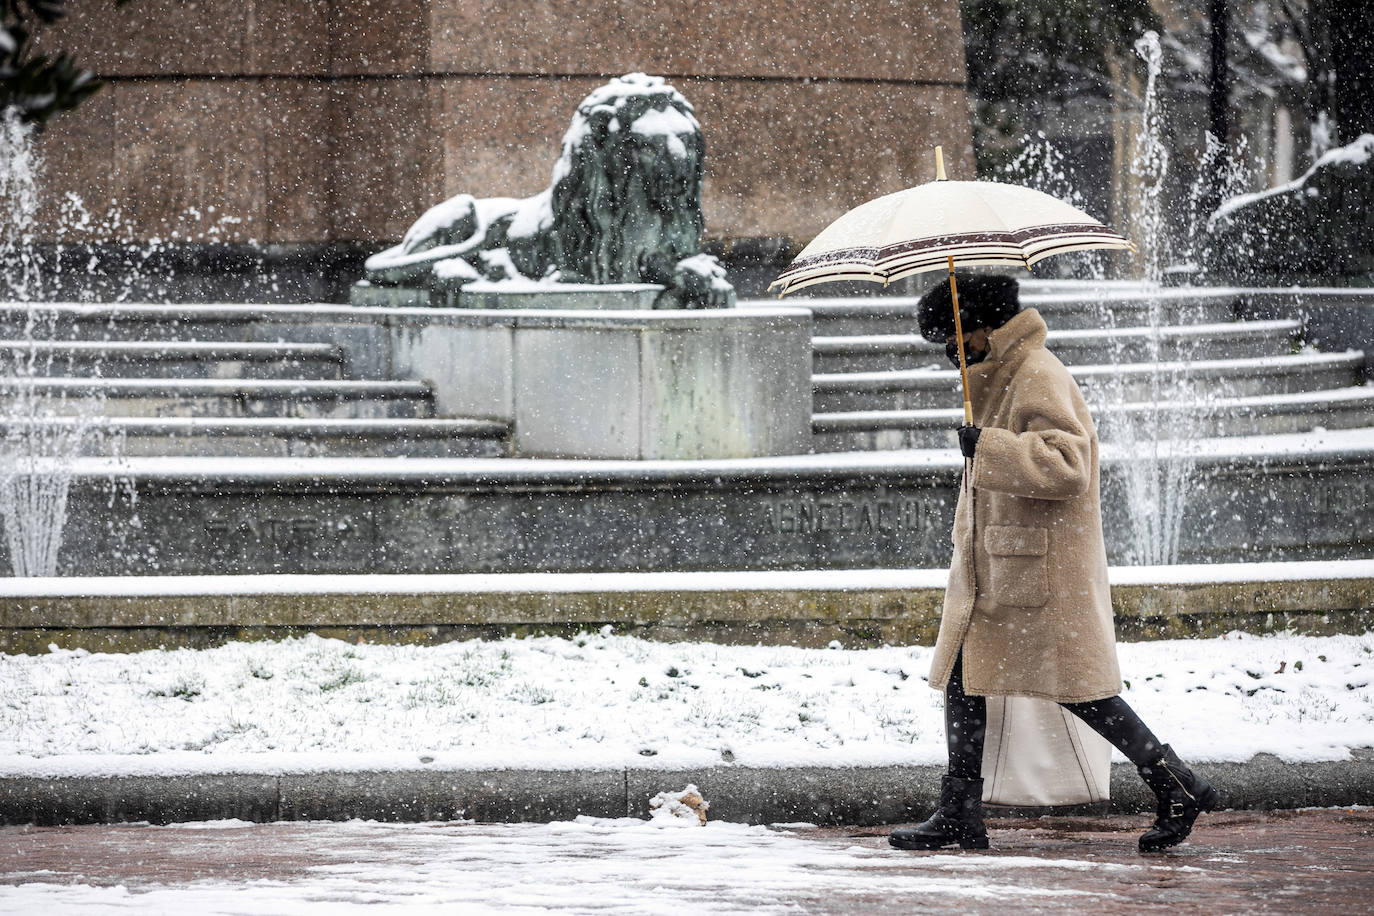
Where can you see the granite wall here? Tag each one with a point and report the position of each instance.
(318, 121)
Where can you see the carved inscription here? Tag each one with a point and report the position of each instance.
(280, 532)
(801, 515)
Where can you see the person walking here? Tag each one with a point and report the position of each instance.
(1027, 611)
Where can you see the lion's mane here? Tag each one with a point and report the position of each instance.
(624, 206)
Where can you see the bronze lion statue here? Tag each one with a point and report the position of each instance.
(624, 206)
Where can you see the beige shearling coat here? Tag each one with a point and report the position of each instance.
(1028, 598)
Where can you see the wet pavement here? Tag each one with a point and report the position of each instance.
(1308, 861)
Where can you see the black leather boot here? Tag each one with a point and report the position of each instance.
(959, 819)
(1182, 796)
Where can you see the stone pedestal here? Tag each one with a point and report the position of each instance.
(720, 383)
(663, 385)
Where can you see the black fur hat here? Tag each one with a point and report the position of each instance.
(985, 301)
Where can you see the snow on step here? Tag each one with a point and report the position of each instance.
(185, 359)
(1232, 340)
(914, 389)
(284, 436)
(226, 397)
(1338, 408)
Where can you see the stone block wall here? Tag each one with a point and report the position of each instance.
(318, 121)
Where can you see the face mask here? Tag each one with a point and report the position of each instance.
(970, 358)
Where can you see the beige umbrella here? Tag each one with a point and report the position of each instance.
(938, 225)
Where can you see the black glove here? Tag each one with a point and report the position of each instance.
(968, 439)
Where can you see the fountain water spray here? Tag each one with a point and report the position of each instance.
(42, 435)
(1146, 428)
(1154, 436)
(18, 206)
(1150, 166)
(1155, 471)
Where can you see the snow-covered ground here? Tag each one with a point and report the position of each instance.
(604, 700)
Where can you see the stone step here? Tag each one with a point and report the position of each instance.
(1341, 408)
(845, 317)
(228, 321)
(1069, 310)
(925, 389)
(216, 397)
(1130, 309)
(805, 607)
(1261, 498)
(269, 437)
(1232, 340)
(171, 359)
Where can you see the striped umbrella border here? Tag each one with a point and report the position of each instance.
(1024, 256)
(935, 261)
(1021, 247)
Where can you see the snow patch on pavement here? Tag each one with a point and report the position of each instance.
(590, 865)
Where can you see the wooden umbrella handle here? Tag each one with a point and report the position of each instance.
(959, 336)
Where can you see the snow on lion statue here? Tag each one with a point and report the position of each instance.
(624, 207)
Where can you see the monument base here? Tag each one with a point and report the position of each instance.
(855, 511)
(512, 295)
(671, 384)
(613, 383)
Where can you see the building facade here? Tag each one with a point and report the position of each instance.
(320, 129)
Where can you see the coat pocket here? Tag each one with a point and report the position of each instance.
(1018, 558)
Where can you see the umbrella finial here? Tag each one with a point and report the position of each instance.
(940, 164)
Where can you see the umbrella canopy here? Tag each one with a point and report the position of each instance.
(921, 228)
(938, 225)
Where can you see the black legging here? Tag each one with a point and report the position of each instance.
(966, 724)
